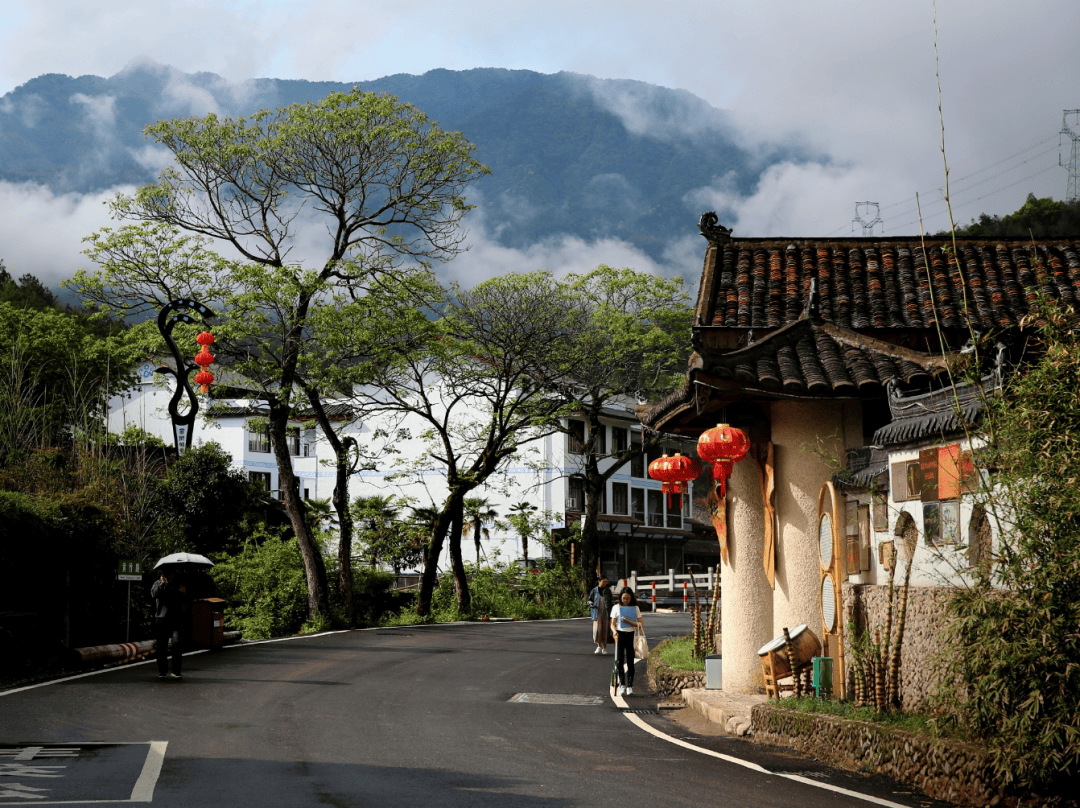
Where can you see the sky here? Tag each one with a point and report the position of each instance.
(855, 79)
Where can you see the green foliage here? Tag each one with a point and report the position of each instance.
(1036, 218)
(264, 586)
(1017, 647)
(205, 504)
(384, 537)
(679, 654)
(505, 590)
(912, 722)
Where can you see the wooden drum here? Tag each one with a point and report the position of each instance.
(804, 647)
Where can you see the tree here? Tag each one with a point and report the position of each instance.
(468, 380)
(1016, 644)
(624, 334)
(1036, 218)
(521, 517)
(382, 184)
(477, 512)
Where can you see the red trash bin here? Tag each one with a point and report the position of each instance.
(208, 622)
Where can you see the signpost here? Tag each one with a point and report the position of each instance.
(129, 570)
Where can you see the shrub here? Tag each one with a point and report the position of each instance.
(1017, 647)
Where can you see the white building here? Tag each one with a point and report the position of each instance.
(641, 530)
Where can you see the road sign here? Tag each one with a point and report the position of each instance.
(128, 577)
(130, 567)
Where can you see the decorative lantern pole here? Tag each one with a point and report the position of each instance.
(723, 446)
(184, 424)
(675, 472)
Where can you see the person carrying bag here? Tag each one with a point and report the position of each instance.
(625, 620)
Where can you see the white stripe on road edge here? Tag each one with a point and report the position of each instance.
(275, 639)
(144, 786)
(637, 721)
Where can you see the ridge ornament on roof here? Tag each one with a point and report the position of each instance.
(711, 229)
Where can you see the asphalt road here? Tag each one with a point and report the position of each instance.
(407, 716)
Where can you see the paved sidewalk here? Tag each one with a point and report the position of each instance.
(729, 710)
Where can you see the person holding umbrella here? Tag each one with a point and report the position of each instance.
(168, 601)
(168, 594)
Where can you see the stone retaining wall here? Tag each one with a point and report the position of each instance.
(921, 670)
(945, 769)
(667, 682)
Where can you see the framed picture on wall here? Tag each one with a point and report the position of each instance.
(950, 522)
(932, 523)
(881, 512)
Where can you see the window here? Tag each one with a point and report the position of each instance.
(620, 498)
(637, 463)
(619, 439)
(637, 503)
(674, 516)
(307, 493)
(292, 436)
(603, 501)
(654, 453)
(260, 478)
(600, 440)
(259, 441)
(575, 496)
(656, 509)
(575, 437)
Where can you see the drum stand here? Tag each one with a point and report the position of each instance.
(776, 667)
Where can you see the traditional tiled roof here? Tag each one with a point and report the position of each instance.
(884, 284)
(817, 358)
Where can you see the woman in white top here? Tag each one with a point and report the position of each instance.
(625, 620)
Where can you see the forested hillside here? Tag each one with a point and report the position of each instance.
(569, 154)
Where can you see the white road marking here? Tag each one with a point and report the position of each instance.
(144, 786)
(621, 702)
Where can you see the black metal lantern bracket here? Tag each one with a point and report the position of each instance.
(180, 311)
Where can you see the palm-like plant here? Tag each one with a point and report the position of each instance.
(520, 518)
(477, 512)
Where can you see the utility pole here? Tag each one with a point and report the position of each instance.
(1072, 187)
(867, 226)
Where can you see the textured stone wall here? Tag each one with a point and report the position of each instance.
(921, 668)
(949, 770)
(669, 683)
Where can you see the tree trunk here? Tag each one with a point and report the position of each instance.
(461, 583)
(314, 568)
(431, 564)
(345, 527)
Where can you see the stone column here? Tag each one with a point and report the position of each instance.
(746, 620)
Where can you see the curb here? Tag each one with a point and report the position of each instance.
(732, 722)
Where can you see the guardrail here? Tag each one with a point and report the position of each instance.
(646, 586)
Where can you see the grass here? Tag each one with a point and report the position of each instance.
(912, 722)
(677, 654)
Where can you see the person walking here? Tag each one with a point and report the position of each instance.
(625, 620)
(600, 607)
(168, 599)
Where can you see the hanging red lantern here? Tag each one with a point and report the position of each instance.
(675, 472)
(204, 359)
(723, 446)
(205, 378)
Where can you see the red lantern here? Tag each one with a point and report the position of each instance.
(204, 359)
(723, 446)
(675, 472)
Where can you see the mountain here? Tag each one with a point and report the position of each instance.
(570, 154)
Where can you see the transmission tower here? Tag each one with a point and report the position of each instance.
(1072, 189)
(867, 226)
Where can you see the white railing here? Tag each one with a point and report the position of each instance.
(673, 585)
